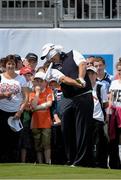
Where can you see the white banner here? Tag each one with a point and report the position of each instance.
(87, 41)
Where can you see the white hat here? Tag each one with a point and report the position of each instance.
(47, 48)
(92, 68)
(15, 124)
(40, 75)
(52, 79)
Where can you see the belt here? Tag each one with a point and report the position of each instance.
(90, 91)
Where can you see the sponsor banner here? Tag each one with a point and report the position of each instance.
(101, 41)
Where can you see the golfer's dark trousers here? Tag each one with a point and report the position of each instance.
(77, 129)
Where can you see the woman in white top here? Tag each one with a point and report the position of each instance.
(13, 99)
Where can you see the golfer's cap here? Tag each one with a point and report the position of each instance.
(40, 75)
(15, 124)
(92, 68)
(45, 50)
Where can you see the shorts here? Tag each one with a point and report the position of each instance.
(26, 139)
(42, 138)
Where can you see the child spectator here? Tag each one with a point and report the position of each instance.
(26, 140)
(57, 143)
(41, 101)
(99, 138)
(57, 100)
(27, 72)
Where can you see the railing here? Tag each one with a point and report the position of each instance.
(53, 12)
(91, 9)
(27, 12)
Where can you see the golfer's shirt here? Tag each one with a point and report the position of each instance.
(70, 68)
(57, 66)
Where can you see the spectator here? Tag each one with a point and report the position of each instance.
(41, 101)
(26, 140)
(55, 86)
(99, 138)
(27, 72)
(19, 63)
(115, 120)
(116, 75)
(57, 142)
(31, 61)
(12, 90)
(102, 76)
(90, 61)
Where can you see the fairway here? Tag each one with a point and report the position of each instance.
(31, 171)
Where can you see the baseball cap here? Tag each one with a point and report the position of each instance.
(25, 70)
(45, 50)
(15, 124)
(40, 75)
(18, 57)
(49, 50)
(52, 79)
(92, 68)
(31, 56)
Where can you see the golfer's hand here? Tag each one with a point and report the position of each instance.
(82, 84)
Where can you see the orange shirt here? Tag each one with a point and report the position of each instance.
(42, 118)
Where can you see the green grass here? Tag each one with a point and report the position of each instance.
(31, 171)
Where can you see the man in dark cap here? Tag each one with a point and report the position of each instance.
(31, 61)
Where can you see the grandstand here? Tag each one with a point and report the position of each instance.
(58, 13)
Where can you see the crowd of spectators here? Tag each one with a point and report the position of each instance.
(70, 109)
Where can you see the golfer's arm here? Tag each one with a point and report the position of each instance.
(82, 69)
(69, 81)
